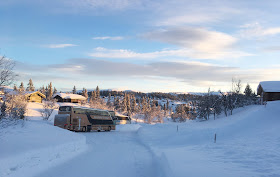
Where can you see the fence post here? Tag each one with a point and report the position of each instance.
(215, 138)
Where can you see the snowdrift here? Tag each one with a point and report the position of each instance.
(33, 146)
(247, 144)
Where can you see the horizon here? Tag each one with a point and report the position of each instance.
(142, 45)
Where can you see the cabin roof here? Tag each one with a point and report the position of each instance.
(270, 86)
(70, 96)
(27, 93)
(33, 92)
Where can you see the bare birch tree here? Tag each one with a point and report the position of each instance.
(7, 75)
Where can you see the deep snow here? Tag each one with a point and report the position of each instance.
(248, 144)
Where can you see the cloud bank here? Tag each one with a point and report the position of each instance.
(192, 73)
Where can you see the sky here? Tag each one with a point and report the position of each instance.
(142, 45)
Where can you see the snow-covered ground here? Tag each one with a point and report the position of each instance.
(32, 146)
(248, 144)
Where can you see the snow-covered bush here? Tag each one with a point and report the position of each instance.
(182, 113)
(48, 107)
(14, 106)
(154, 115)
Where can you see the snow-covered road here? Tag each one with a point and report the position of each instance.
(115, 153)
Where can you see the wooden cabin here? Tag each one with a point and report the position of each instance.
(69, 98)
(269, 90)
(34, 96)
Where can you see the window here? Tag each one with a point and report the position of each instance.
(65, 108)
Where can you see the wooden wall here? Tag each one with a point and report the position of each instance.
(271, 96)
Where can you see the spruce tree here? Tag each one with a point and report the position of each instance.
(164, 108)
(97, 92)
(92, 95)
(248, 91)
(50, 91)
(54, 90)
(30, 86)
(128, 104)
(149, 104)
(43, 90)
(74, 91)
(86, 93)
(15, 88)
(21, 87)
(124, 103)
(83, 92)
(109, 100)
(144, 105)
(134, 104)
(47, 90)
(117, 103)
(114, 103)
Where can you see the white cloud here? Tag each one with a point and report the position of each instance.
(271, 49)
(187, 19)
(256, 30)
(200, 42)
(60, 45)
(101, 52)
(108, 38)
(197, 38)
(186, 12)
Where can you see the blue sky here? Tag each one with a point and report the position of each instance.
(142, 45)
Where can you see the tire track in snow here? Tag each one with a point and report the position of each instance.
(111, 154)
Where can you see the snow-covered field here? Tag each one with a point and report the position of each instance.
(248, 144)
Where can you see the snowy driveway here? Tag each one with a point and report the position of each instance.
(110, 154)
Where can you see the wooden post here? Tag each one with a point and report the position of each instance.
(215, 138)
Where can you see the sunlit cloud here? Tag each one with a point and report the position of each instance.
(202, 43)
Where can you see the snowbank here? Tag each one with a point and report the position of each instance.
(128, 127)
(29, 148)
(247, 144)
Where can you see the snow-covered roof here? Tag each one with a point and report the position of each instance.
(270, 86)
(14, 92)
(70, 96)
(31, 92)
